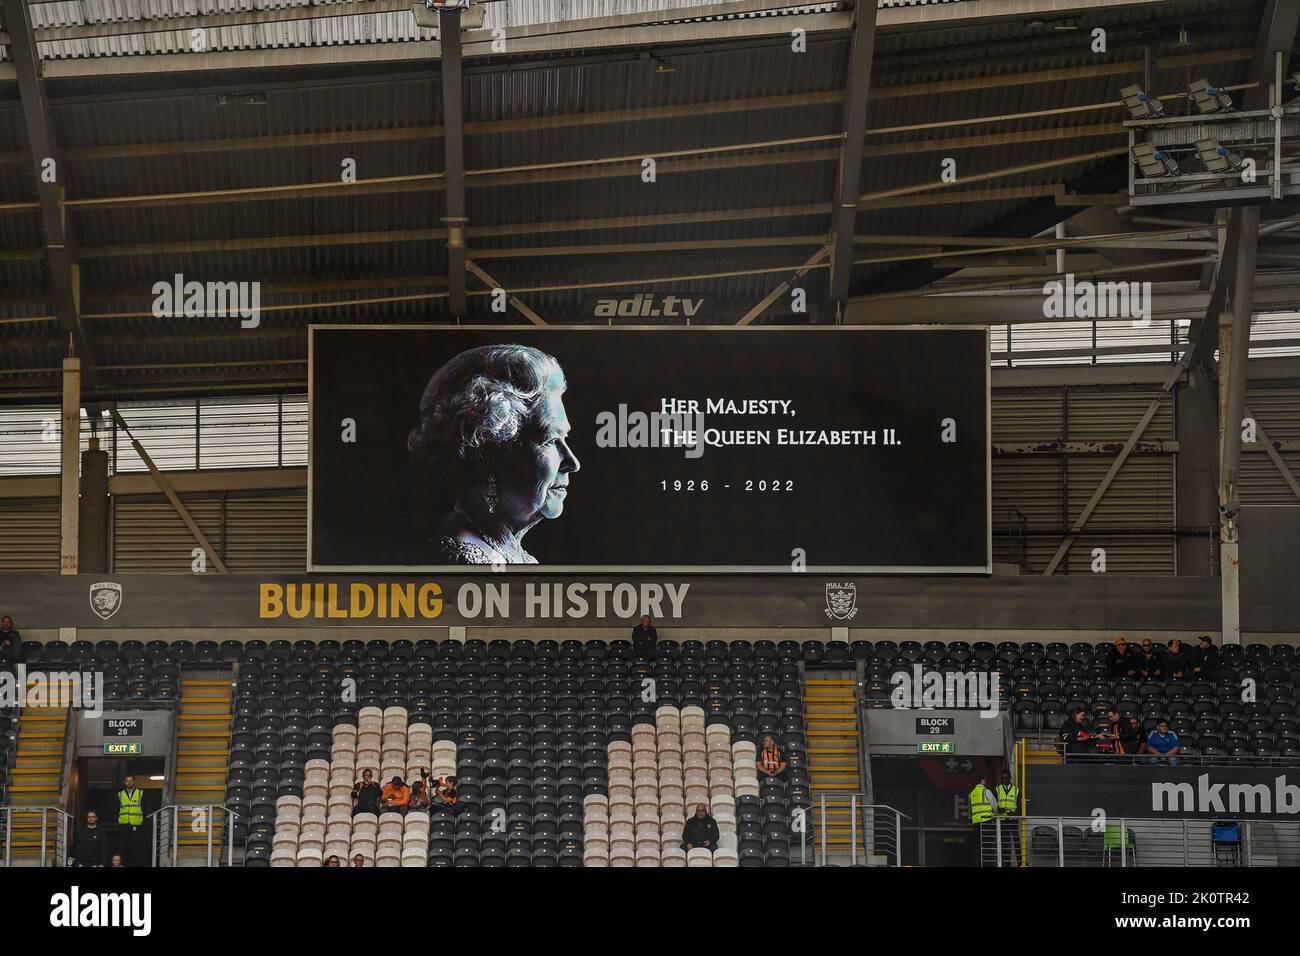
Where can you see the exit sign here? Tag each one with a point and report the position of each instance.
(116, 749)
(936, 747)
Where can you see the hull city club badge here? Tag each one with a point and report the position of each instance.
(105, 599)
(841, 601)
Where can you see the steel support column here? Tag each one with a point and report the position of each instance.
(453, 142)
(1232, 388)
(70, 469)
(857, 90)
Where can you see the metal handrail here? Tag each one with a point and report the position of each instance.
(1179, 841)
(858, 802)
(60, 835)
(172, 848)
(1184, 758)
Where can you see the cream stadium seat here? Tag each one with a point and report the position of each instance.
(645, 778)
(621, 814)
(695, 760)
(310, 856)
(673, 856)
(647, 815)
(699, 857)
(647, 855)
(726, 856)
(591, 856)
(284, 856)
(622, 854)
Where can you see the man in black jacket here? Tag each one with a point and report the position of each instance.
(1205, 659)
(1076, 736)
(644, 637)
(11, 644)
(701, 831)
(90, 844)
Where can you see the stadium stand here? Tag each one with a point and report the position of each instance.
(542, 734)
(1046, 682)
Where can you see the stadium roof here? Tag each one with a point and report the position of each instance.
(225, 164)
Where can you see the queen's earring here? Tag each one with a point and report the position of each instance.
(490, 496)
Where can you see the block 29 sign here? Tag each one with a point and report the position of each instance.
(123, 727)
(934, 726)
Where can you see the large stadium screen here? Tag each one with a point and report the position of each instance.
(763, 449)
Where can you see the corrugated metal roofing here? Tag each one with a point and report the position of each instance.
(554, 102)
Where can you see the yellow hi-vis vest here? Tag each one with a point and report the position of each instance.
(1008, 798)
(129, 811)
(981, 810)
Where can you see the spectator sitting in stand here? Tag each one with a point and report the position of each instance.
(444, 795)
(358, 861)
(1205, 659)
(419, 796)
(396, 796)
(701, 831)
(366, 794)
(1131, 740)
(644, 637)
(771, 762)
(1122, 666)
(1176, 660)
(1162, 745)
(1150, 667)
(116, 862)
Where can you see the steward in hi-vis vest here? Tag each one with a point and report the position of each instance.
(1008, 795)
(130, 811)
(981, 803)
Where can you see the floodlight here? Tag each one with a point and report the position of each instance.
(429, 12)
(1217, 158)
(1207, 98)
(1154, 162)
(1140, 103)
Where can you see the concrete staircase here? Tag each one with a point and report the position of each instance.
(830, 713)
(36, 780)
(203, 720)
(1040, 752)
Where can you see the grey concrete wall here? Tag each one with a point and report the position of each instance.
(155, 740)
(894, 732)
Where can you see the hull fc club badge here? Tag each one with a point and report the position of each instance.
(841, 601)
(105, 599)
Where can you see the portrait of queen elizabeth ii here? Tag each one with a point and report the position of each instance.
(492, 425)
